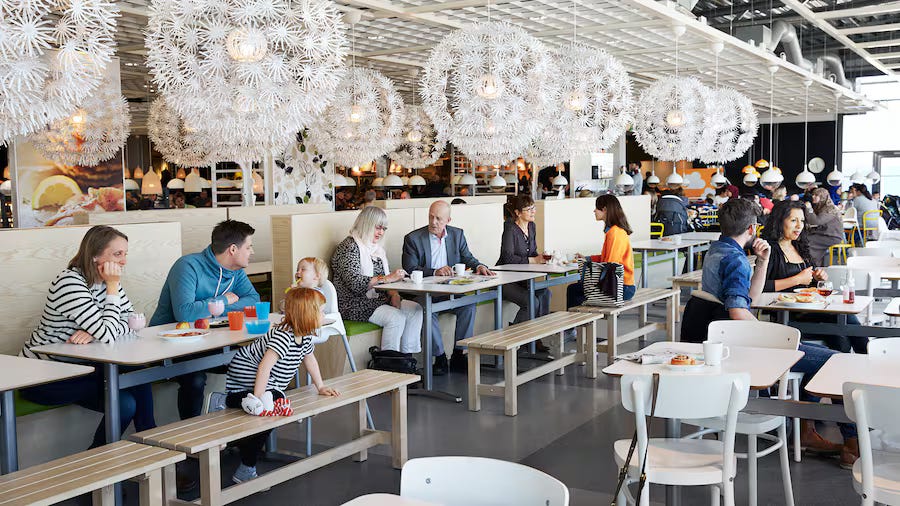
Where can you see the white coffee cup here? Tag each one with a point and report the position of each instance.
(715, 352)
(676, 239)
(459, 269)
(416, 277)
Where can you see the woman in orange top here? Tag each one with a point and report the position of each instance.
(616, 247)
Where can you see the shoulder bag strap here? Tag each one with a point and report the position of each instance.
(623, 473)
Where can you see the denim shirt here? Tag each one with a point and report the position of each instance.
(726, 273)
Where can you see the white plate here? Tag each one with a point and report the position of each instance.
(802, 305)
(694, 367)
(813, 291)
(183, 335)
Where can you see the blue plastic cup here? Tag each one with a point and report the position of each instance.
(262, 310)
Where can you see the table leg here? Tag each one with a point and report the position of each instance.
(690, 259)
(784, 317)
(498, 309)
(10, 462)
(675, 263)
(113, 420)
(673, 493)
(428, 339)
(532, 347)
(644, 268)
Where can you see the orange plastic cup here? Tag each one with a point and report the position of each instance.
(236, 320)
(250, 311)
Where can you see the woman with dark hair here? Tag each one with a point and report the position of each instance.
(519, 246)
(616, 247)
(824, 223)
(791, 266)
(87, 303)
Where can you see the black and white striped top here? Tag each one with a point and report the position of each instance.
(72, 305)
(242, 369)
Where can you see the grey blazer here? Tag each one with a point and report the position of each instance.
(417, 251)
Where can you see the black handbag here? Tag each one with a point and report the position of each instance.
(390, 360)
(603, 283)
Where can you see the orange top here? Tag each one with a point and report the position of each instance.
(617, 248)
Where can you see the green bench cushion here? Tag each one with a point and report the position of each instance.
(26, 407)
(355, 327)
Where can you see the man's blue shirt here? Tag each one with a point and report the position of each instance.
(726, 273)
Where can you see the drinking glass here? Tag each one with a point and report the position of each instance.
(216, 308)
(825, 288)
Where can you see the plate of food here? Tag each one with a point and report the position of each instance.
(462, 281)
(183, 335)
(809, 290)
(804, 300)
(685, 363)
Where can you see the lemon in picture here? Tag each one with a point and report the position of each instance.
(54, 191)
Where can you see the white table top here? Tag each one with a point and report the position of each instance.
(765, 365)
(21, 372)
(148, 347)
(386, 500)
(893, 308)
(844, 367)
(432, 284)
(835, 304)
(259, 268)
(660, 245)
(699, 236)
(541, 268)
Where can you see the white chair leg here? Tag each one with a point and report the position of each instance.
(728, 492)
(752, 468)
(795, 395)
(353, 369)
(621, 499)
(785, 465)
(309, 424)
(715, 495)
(645, 495)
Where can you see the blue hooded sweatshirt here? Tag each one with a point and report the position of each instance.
(193, 282)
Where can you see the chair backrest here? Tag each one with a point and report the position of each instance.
(657, 230)
(850, 213)
(864, 282)
(871, 252)
(331, 304)
(870, 219)
(886, 347)
(478, 481)
(754, 333)
(883, 244)
(872, 406)
(874, 264)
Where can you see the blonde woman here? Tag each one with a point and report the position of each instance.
(358, 265)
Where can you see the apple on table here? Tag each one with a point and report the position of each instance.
(182, 325)
(201, 323)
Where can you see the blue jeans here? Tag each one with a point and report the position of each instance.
(135, 403)
(814, 357)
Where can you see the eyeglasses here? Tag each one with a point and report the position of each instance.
(528, 209)
(383, 228)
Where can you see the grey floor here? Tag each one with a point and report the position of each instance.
(566, 427)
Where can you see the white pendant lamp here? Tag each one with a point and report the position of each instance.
(771, 179)
(392, 181)
(205, 184)
(805, 178)
(653, 180)
(835, 177)
(497, 183)
(750, 179)
(193, 183)
(873, 177)
(467, 180)
(624, 183)
(675, 181)
(130, 185)
(175, 184)
(405, 180)
(718, 179)
(339, 180)
(417, 180)
(151, 184)
(858, 177)
(378, 182)
(349, 181)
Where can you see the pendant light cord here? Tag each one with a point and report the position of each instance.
(574, 20)
(805, 127)
(836, 98)
(771, 116)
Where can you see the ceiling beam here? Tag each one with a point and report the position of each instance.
(801, 9)
(401, 13)
(868, 10)
(856, 30)
(879, 43)
(886, 56)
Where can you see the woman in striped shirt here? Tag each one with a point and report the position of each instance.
(86, 303)
(260, 371)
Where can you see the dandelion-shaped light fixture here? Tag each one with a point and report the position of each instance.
(421, 145)
(95, 131)
(175, 140)
(733, 120)
(53, 55)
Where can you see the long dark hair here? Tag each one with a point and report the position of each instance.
(92, 245)
(861, 188)
(775, 227)
(615, 216)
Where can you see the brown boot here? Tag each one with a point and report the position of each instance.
(849, 452)
(812, 442)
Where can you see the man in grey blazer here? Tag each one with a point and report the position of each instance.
(434, 250)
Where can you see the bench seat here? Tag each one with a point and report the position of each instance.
(95, 470)
(207, 434)
(506, 342)
(642, 298)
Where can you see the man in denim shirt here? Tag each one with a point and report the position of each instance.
(728, 286)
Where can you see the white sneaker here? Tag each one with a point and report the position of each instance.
(216, 402)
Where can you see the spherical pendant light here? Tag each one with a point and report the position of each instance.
(670, 119)
(392, 181)
(420, 146)
(339, 180)
(718, 179)
(674, 181)
(348, 143)
(858, 177)
(771, 179)
(486, 88)
(873, 177)
(53, 56)
(750, 179)
(653, 180)
(175, 140)
(735, 123)
(835, 177)
(805, 179)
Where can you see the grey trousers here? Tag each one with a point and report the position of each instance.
(465, 324)
(518, 295)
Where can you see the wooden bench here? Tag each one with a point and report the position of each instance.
(691, 280)
(95, 470)
(643, 297)
(505, 342)
(208, 434)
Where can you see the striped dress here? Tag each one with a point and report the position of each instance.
(242, 369)
(73, 305)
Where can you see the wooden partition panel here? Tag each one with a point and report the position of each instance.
(417, 203)
(31, 258)
(196, 224)
(260, 218)
(316, 235)
(568, 225)
(482, 224)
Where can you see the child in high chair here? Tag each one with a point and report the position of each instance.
(259, 372)
(311, 273)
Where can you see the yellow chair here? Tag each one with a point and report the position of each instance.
(869, 224)
(657, 230)
(759, 231)
(841, 250)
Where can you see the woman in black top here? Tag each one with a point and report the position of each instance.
(791, 266)
(519, 246)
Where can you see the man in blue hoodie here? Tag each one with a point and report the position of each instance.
(216, 273)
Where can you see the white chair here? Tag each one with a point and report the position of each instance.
(865, 280)
(477, 481)
(876, 264)
(887, 347)
(890, 244)
(332, 329)
(871, 252)
(683, 461)
(876, 474)
(760, 335)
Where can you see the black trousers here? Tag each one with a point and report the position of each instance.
(250, 446)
